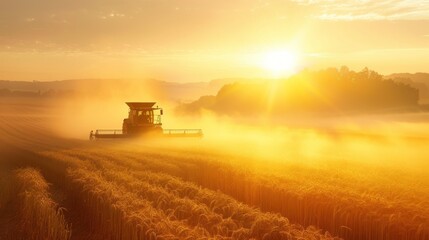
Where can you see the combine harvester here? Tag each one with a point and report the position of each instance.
(143, 120)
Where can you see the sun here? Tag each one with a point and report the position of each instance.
(279, 62)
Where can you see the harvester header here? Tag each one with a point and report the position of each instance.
(144, 119)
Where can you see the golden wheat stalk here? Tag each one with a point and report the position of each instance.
(40, 216)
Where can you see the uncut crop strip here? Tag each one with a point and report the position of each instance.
(357, 180)
(118, 214)
(320, 204)
(103, 161)
(402, 213)
(328, 204)
(40, 217)
(228, 222)
(315, 179)
(310, 200)
(231, 219)
(112, 212)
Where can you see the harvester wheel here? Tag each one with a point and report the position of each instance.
(91, 136)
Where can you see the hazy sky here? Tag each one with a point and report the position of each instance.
(198, 40)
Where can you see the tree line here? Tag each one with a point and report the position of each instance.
(324, 91)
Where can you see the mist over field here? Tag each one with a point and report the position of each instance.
(73, 108)
(383, 137)
(269, 165)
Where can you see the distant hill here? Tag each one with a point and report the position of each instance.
(134, 89)
(416, 80)
(416, 77)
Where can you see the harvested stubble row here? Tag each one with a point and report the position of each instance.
(40, 217)
(117, 194)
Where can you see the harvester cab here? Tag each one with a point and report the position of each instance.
(144, 119)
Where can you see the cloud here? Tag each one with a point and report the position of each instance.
(351, 17)
(369, 10)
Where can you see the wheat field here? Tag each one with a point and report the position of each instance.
(57, 188)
